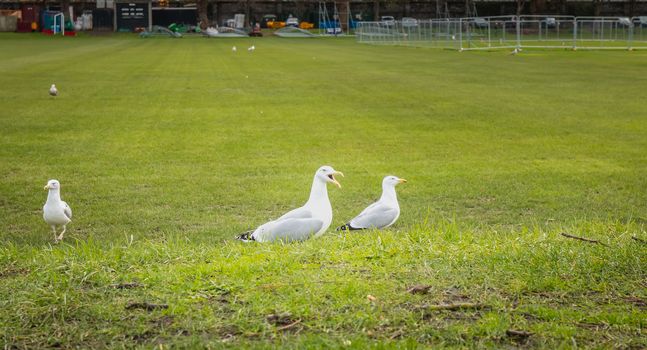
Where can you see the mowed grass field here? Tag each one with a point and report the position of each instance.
(166, 149)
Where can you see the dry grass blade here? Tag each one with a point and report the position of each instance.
(456, 306)
(289, 326)
(639, 240)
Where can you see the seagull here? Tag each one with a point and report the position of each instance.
(251, 48)
(53, 91)
(233, 49)
(55, 211)
(312, 219)
(515, 51)
(380, 214)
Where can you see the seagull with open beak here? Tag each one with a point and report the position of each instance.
(310, 220)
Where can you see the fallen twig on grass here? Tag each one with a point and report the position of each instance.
(126, 285)
(639, 240)
(456, 306)
(594, 241)
(288, 326)
(518, 334)
(419, 289)
(146, 306)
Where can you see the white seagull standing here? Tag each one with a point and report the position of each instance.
(53, 91)
(312, 219)
(380, 214)
(251, 48)
(233, 49)
(56, 212)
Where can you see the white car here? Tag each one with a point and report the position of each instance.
(409, 22)
(387, 20)
(292, 22)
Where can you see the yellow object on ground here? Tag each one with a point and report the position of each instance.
(306, 25)
(275, 24)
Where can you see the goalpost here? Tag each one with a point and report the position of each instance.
(62, 20)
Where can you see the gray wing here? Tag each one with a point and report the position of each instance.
(298, 213)
(287, 230)
(376, 215)
(67, 210)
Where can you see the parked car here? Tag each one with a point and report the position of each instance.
(625, 22)
(550, 22)
(387, 20)
(481, 22)
(292, 21)
(267, 18)
(409, 22)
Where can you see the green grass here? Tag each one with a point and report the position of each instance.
(166, 149)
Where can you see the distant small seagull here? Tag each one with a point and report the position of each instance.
(251, 48)
(53, 91)
(515, 51)
(381, 214)
(233, 49)
(55, 211)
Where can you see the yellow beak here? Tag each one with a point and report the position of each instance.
(335, 180)
(46, 187)
(402, 181)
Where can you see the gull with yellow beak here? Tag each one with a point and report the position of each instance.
(56, 212)
(311, 220)
(380, 214)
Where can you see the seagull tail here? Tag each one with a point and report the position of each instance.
(347, 227)
(246, 236)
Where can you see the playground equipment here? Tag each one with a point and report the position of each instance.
(225, 32)
(293, 32)
(159, 31)
(339, 22)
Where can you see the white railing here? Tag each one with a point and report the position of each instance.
(478, 33)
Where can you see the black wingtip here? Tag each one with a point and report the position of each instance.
(347, 227)
(246, 236)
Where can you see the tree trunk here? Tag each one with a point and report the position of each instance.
(520, 4)
(202, 13)
(65, 8)
(248, 6)
(376, 10)
(597, 7)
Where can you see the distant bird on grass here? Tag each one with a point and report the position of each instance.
(312, 219)
(233, 49)
(251, 48)
(53, 91)
(380, 214)
(56, 212)
(515, 51)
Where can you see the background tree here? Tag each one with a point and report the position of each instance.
(203, 13)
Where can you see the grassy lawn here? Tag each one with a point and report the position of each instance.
(166, 149)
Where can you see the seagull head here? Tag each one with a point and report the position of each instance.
(327, 174)
(52, 185)
(53, 86)
(392, 181)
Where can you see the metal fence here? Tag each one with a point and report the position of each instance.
(500, 32)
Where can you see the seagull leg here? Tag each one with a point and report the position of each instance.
(54, 230)
(60, 237)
